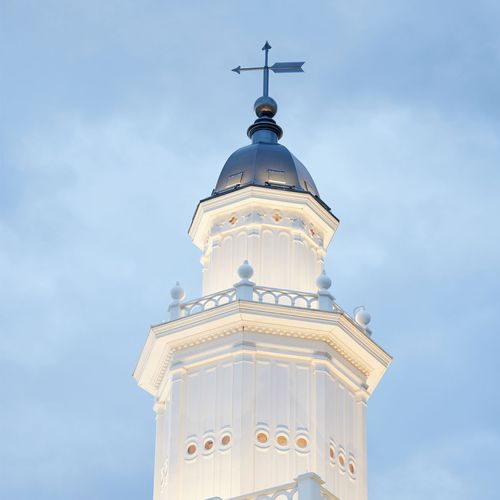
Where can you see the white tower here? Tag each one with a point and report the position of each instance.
(261, 385)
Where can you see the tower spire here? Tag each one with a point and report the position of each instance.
(265, 379)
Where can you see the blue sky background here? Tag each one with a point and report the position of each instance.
(116, 118)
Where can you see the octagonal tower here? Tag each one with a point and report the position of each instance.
(261, 385)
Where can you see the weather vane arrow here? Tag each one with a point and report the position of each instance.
(280, 67)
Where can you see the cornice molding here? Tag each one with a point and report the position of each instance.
(335, 329)
(252, 197)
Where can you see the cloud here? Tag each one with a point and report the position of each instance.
(118, 119)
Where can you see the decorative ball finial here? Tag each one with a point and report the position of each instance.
(177, 292)
(362, 317)
(324, 282)
(245, 271)
(265, 106)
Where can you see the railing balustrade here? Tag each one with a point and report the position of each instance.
(208, 302)
(283, 492)
(307, 486)
(247, 290)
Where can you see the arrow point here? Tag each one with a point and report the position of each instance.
(266, 46)
(237, 70)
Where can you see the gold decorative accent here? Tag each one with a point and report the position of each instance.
(301, 442)
(262, 437)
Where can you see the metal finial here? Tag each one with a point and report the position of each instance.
(281, 67)
(265, 90)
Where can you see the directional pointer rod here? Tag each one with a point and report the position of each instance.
(284, 67)
(279, 67)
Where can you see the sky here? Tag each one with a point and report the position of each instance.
(116, 119)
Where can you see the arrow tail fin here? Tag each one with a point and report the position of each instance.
(287, 67)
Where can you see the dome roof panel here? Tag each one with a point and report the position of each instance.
(265, 164)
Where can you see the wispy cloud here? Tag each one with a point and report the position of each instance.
(117, 119)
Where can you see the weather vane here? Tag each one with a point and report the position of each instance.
(281, 67)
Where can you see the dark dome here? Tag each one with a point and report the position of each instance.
(265, 164)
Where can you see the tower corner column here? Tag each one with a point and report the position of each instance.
(243, 416)
(160, 462)
(362, 466)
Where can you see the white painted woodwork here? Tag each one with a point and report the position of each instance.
(283, 234)
(246, 367)
(254, 382)
(272, 355)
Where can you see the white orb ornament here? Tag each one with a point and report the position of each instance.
(177, 292)
(362, 316)
(324, 282)
(245, 271)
